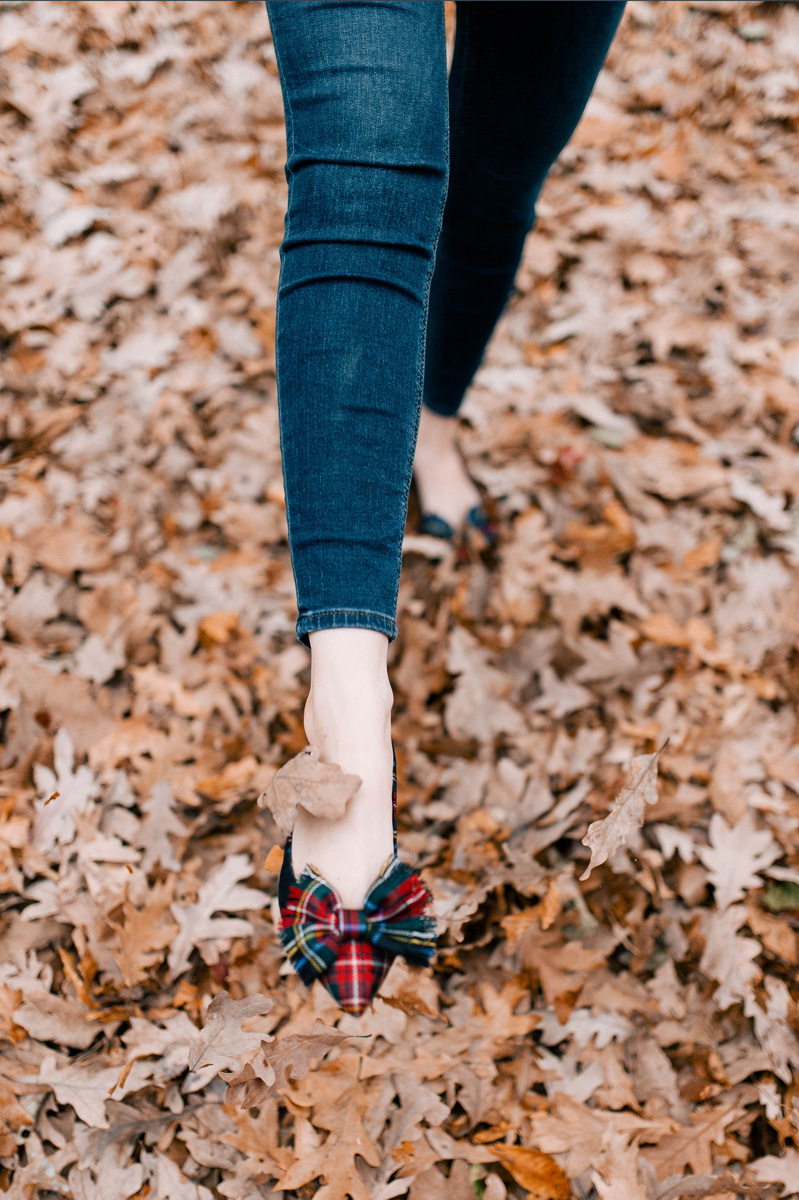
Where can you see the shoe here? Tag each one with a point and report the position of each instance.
(350, 950)
(478, 517)
(481, 519)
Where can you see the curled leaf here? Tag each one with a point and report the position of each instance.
(322, 789)
(605, 837)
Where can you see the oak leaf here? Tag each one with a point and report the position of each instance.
(87, 1088)
(52, 1018)
(617, 1176)
(691, 1146)
(221, 892)
(143, 934)
(323, 789)
(222, 1039)
(291, 1057)
(728, 958)
(160, 821)
(606, 836)
(783, 1169)
(736, 857)
(54, 823)
(335, 1160)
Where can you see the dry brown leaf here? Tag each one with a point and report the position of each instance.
(323, 789)
(736, 857)
(221, 892)
(335, 1161)
(143, 934)
(783, 1169)
(52, 1018)
(608, 835)
(222, 1040)
(691, 1146)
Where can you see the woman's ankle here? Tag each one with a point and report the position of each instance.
(350, 699)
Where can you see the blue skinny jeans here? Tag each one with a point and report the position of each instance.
(409, 199)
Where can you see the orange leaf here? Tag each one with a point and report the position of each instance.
(535, 1171)
(274, 859)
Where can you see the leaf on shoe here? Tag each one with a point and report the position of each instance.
(322, 789)
(627, 814)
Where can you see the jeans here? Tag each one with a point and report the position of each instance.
(409, 199)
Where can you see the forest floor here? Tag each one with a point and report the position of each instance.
(627, 1034)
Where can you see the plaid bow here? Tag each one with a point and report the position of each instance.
(315, 926)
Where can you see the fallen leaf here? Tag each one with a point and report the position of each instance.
(537, 1172)
(736, 857)
(222, 1040)
(612, 832)
(335, 1160)
(221, 892)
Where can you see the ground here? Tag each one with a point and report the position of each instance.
(627, 658)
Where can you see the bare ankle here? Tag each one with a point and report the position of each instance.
(350, 697)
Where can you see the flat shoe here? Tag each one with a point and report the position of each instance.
(478, 517)
(350, 950)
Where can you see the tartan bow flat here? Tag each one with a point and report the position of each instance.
(351, 949)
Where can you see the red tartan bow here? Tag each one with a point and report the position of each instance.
(316, 925)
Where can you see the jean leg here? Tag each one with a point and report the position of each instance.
(365, 99)
(522, 74)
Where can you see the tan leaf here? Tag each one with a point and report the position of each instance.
(12, 1118)
(783, 1169)
(221, 892)
(143, 934)
(606, 836)
(735, 857)
(51, 1018)
(87, 1088)
(617, 1176)
(160, 823)
(222, 1039)
(335, 1160)
(728, 958)
(291, 1057)
(691, 1146)
(323, 789)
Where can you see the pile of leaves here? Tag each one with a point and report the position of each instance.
(628, 658)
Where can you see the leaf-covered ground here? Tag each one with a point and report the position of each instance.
(629, 1035)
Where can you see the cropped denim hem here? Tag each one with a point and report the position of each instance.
(350, 618)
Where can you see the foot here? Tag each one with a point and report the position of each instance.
(445, 486)
(348, 720)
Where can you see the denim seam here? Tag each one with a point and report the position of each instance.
(361, 612)
(289, 181)
(426, 298)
